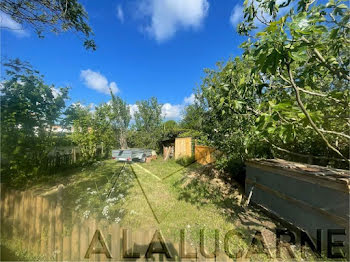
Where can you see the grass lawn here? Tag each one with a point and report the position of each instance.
(157, 195)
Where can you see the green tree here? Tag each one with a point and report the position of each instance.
(50, 15)
(170, 125)
(84, 135)
(286, 96)
(92, 129)
(147, 129)
(300, 57)
(193, 117)
(120, 118)
(29, 109)
(104, 128)
(227, 111)
(148, 116)
(73, 112)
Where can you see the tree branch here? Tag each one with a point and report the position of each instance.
(323, 60)
(303, 155)
(302, 107)
(308, 91)
(334, 133)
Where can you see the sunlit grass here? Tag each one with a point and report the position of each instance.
(171, 199)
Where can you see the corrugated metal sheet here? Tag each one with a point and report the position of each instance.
(309, 197)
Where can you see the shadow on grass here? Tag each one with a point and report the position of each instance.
(203, 185)
(9, 255)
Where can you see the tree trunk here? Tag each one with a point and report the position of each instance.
(122, 140)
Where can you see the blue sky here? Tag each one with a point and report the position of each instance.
(144, 48)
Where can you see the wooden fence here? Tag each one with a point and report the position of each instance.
(55, 161)
(204, 154)
(37, 224)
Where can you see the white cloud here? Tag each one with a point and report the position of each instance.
(190, 99)
(55, 92)
(133, 108)
(120, 14)
(92, 107)
(97, 81)
(236, 15)
(171, 111)
(6, 22)
(168, 16)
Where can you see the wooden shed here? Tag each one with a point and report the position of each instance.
(308, 196)
(183, 147)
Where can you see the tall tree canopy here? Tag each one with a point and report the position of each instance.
(50, 15)
(288, 91)
(120, 118)
(301, 61)
(147, 128)
(148, 116)
(29, 109)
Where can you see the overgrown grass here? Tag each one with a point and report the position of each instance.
(161, 195)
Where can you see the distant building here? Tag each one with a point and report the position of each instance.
(60, 129)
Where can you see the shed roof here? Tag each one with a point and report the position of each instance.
(333, 174)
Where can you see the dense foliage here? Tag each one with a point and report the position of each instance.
(92, 130)
(289, 91)
(146, 132)
(29, 109)
(120, 118)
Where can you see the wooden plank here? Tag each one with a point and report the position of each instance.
(21, 220)
(31, 219)
(84, 239)
(26, 203)
(6, 204)
(4, 210)
(17, 215)
(183, 147)
(58, 231)
(67, 238)
(44, 227)
(51, 231)
(38, 222)
(67, 246)
(10, 222)
(115, 241)
(75, 251)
